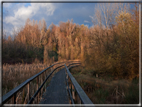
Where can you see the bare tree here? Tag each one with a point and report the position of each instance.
(105, 13)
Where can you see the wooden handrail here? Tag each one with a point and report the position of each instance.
(13, 92)
(82, 95)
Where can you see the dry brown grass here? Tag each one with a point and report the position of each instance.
(13, 75)
(106, 89)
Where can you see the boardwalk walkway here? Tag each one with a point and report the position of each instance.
(56, 92)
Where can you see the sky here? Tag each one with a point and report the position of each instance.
(16, 14)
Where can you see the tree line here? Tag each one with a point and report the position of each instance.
(105, 47)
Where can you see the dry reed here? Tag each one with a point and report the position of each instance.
(13, 75)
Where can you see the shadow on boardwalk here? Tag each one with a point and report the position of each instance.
(56, 93)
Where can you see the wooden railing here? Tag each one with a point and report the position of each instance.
(41, 79)
(76, 93)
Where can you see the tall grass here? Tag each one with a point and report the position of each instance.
(13, 75)
(106, 89)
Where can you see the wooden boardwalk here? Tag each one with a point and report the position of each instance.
(61, 90)
(56, 92)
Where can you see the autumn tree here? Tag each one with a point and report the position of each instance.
(110, 46)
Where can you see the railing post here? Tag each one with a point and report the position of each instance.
(14, 99)
(28, 87)
(44, 79)
(42, 82)
(73, 92)
(69, 82)
(23, 98)
(37, 87)
(40, 92)
(67, 79)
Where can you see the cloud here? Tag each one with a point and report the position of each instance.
(21, 14)
(91, 17)
(51, 12)
(86, 21)
(86, 25)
